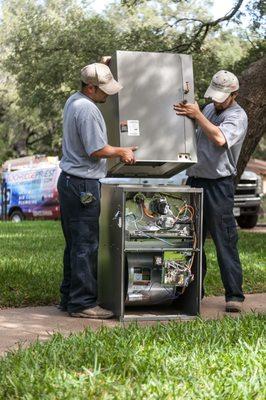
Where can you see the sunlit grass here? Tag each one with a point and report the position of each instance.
(31, 263)
(193, 360)
(252, 252)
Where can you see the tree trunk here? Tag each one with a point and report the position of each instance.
(252, 99)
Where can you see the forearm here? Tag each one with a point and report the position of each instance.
(107, 152)
(211, 131)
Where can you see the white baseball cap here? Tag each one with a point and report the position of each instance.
(100, 75)
(222, 85)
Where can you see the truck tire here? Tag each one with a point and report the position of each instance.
(247, 221)
(16, 216)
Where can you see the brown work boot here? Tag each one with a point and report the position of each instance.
(233, 306)
(96, 312)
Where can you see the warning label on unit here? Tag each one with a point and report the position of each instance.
(133, 127)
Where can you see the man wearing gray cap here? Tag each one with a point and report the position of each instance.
(85, 149)
(221, 129)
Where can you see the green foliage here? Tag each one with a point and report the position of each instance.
(256, 9)
(160, 19)
(45, 44)
(201, 360)
(20, 129)
(254, 53)
(217, 53)
(53, 61)
(31, 263)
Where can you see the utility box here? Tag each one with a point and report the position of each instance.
(142, 114)
(150, 251)
(151, 233)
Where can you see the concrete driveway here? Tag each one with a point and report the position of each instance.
(21, 326)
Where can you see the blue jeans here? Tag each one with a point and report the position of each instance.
(219, 221)
(80, 224)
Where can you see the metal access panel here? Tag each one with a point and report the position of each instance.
(142, 114)
(150, 251)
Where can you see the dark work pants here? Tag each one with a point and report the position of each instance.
(80, 224)
(219, 221)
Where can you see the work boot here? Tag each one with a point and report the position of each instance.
(61, 307)
(96, 312)
(233, 306)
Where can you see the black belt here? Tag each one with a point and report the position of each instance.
(213, 179)
(77, 177)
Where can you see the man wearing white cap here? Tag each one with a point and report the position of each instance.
(85, 149)
(221, 129)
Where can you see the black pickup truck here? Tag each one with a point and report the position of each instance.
(248, 198)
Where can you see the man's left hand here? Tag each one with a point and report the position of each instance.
(189, 110)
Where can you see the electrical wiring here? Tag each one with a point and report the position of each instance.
(149, 235)
(173, 196)
(162, 237)
(157, 238)
(183, 210)
(182, 217)
(178, 273)
(194, 247)
(139, 199)
(142, 214)
(146, 212)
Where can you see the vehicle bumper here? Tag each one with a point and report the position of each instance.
(247, 206)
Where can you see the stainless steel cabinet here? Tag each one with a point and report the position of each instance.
(142, 114)
(150, 251)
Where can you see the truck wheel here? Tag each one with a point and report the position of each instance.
(247, 221)
(16, 216)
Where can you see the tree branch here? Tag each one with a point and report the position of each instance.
(204, 28)
(186, 19)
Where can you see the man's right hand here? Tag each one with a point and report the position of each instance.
(127, 155)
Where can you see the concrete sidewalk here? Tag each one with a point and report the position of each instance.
(24, 325)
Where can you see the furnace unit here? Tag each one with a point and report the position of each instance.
(150, 235)
(142, 114)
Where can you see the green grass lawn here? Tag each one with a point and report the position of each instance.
(252, 252)
(193, 360)
(31, 262)
(262, 216)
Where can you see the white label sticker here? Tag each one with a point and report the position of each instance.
(133, 127)
(137, 277)
(236, 211)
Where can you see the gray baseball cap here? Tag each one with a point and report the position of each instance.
(100, 75)
(223, 83)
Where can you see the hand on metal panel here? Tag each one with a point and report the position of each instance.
(127, 155)
(106, 60)
(187, 109)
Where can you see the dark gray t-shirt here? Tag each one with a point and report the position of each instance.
(215, 161)
(84, 132)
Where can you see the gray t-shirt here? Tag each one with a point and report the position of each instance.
(84, 132)
(215, 161)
